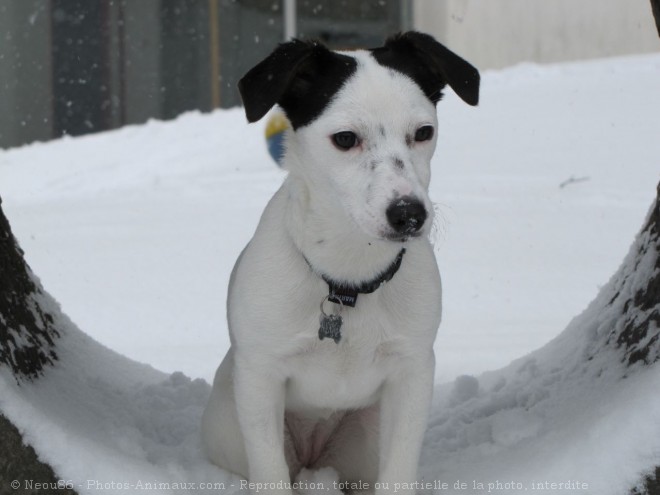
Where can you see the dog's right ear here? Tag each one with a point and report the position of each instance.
(300, 76)
(265, 84)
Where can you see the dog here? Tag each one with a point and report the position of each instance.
(334, 304)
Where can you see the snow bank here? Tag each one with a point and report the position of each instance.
(578, 411)
(104, 422)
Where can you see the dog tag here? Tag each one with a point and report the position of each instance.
(330, 324)
(330, 327)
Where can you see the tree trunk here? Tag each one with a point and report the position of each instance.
(27, 346)
(637, 331)
(640, 338)
(27, 333)
(651, 484)
(20, 465)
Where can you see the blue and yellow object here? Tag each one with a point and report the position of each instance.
(275, 126)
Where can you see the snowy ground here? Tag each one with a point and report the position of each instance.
(135, 232)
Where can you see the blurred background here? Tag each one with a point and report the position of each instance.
(72, 67)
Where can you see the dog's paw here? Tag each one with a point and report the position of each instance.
(324, 480)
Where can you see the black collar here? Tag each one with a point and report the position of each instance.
(346, 293)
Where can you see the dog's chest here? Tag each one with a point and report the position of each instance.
(337, 376)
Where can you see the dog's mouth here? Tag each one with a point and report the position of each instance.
(401, 237)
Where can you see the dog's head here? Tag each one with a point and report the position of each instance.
(364, 123)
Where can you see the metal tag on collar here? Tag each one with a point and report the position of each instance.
(343, 296)
(330, 324)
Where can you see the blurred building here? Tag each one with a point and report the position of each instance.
(498, 33)
(71, 67)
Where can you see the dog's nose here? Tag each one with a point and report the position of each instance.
(406, 215)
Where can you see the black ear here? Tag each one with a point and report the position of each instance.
(300, 76)
(430, 64)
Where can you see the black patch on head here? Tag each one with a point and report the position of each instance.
(409, 140)
(430, 64)
(398, 163)
(301, 76)
(381, 129)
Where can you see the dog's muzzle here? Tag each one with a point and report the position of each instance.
(406, 215)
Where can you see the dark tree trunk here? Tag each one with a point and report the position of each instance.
(647, 303)
(27, 346)
(20, 464)
(27, 333)
(637, 331)
(651, 484)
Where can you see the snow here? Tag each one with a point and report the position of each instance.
(539, 192)
(328, 478)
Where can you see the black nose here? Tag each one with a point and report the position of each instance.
(406, 215)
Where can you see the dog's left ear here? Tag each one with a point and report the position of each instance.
(430, 64)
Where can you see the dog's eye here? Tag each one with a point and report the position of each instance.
(424, 133)
(345, 140)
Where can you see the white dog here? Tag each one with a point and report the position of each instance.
(334, 304)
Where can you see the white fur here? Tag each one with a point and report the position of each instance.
(283, 400)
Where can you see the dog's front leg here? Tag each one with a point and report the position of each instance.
(260, 394)
(405, 405)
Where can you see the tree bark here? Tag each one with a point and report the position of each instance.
(637, 331)
(651, 484)
(27, 332)
(27, 346)
(20, 465)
